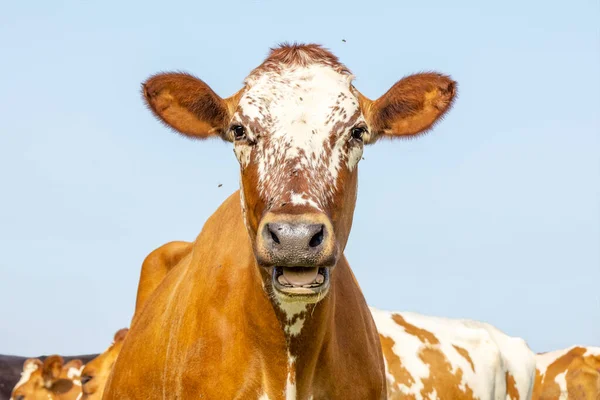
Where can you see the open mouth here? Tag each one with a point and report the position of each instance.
(301, 281)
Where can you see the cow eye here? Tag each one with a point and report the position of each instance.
(358, 132)
(85, 379)
(239, 132)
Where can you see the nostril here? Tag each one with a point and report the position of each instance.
(274, 236)
(317, 239)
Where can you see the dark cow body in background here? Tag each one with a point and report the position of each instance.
(12, 366)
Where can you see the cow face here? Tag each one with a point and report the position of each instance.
(50, 379)
(96, 372)
(298, 128)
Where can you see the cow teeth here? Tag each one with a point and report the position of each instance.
(320, 279)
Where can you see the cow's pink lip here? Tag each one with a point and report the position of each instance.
(301, 281)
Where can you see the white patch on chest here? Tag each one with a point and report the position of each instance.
(300, 119)
(26, 374)
(295, 314)
(290, 385)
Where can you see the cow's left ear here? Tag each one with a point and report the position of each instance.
(51, 370)
(412, 106)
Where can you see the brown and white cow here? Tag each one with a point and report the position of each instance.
(432, 357)
(265, 305)
(569, 374)
(96, 372)
(50, 379)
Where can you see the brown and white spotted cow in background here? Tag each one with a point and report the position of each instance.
(49, 380)
(265, 305)
(572, 373)
(431, 357)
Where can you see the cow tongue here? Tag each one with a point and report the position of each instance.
(300, 276)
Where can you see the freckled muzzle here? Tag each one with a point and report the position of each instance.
(300, 249)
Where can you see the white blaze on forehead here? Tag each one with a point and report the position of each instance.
(29, 369)
(300, 118)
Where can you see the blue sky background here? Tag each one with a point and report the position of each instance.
(493, 216)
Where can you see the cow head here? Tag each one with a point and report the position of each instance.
(50, 379)
(96, 372)
(298, 128)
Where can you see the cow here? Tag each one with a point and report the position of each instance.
(568, 374)
(50, 379)
(265, 304)
(95, 373)
(432, 357)
(11, 369)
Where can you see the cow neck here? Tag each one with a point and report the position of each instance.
(305, 327)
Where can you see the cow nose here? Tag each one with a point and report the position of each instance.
(295, 237)
(301, 241)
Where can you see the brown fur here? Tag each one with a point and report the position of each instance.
(444, 380)
(212, 327)
(423, 335)
(155, 267)
(511, 387)
(411, 107)
(465, 354)
(401, 375)
(300, 55)
(582, 377)
(186, 104)
(243, 345)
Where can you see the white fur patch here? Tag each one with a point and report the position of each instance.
(74, 373)
(295, 314)
(290, 386)
(492, 353)
(299, 121)
(561, 380)
(26, 374)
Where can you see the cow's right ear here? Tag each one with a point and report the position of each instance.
(120, 335)
(188, 105)
(51, 370)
